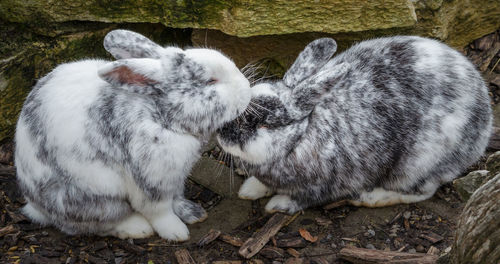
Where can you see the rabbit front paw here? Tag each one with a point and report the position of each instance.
(253, 189)
(170, 227)
(189, 212)
(282, 203)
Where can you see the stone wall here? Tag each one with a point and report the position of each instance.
(37, 35)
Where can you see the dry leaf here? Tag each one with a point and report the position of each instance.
(307, 236)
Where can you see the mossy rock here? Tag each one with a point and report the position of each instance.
(30, 59)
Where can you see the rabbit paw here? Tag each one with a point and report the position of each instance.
(134, 226)
(189, 212)
(169, 226)
(282, 203)
(253, 189)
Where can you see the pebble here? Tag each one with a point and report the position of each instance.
(420, 248)
(412, 250)
(370, 246)
(333, 245)
(407, 214)
(371, 232)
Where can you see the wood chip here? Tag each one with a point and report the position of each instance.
(183, 257)
(272, 252)
(336, 204)
(7, 230)
(7, 171)
(255, 243)
(363, 255)
(432, 237)
(307, 236)
(323, 221)
(293, 252)
(406, 224)
(433, 251)
(209, 237)
(295, 261)
(292, 242)
(16, 217)
(232, 240)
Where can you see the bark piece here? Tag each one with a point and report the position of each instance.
(431, 236)
(272, 252)
(183, 257)
(433, 250)
(292, 242)
(293, 252)
(209, 237)
(232, 240)
(260, 238)
(363, 255)
(7, 230)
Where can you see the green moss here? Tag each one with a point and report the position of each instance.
(38, 55)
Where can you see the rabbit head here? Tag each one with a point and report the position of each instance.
(195, 90)
(278, 111)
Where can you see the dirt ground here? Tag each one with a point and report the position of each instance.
(406, 228)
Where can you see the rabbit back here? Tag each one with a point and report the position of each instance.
(409, 114)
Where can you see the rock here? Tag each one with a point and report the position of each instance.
(478, 236)
(37, 35)
(465, 186)
(370, 246)
(412, 250)
(453, 20)
(493, 163)
(22, 61)
(420, 249)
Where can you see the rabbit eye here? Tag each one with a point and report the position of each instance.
(212, 81)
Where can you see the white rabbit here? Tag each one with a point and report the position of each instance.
(385, 122)
(105, 147)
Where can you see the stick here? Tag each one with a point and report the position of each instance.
(208, 238)
(336, 204)
(7, 230)
(362, 255)
(260, 238)
(183, 257)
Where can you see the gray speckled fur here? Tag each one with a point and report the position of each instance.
(405, 114)
(98, 140)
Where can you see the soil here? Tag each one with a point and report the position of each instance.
(407, 228)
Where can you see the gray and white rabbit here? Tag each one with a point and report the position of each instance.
(105, 147)
(385, 122)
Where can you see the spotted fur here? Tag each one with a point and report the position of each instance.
(101, 146)
(387, 121)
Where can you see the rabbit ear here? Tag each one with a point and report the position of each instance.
(307, 94)
(312, 58)
(125, 44)
(135, 75)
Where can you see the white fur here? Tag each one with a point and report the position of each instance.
(134, 226)
(281, 203)
(253, 189)
(163, 152)
(379, 197)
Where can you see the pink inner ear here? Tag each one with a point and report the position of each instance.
(124, 75)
